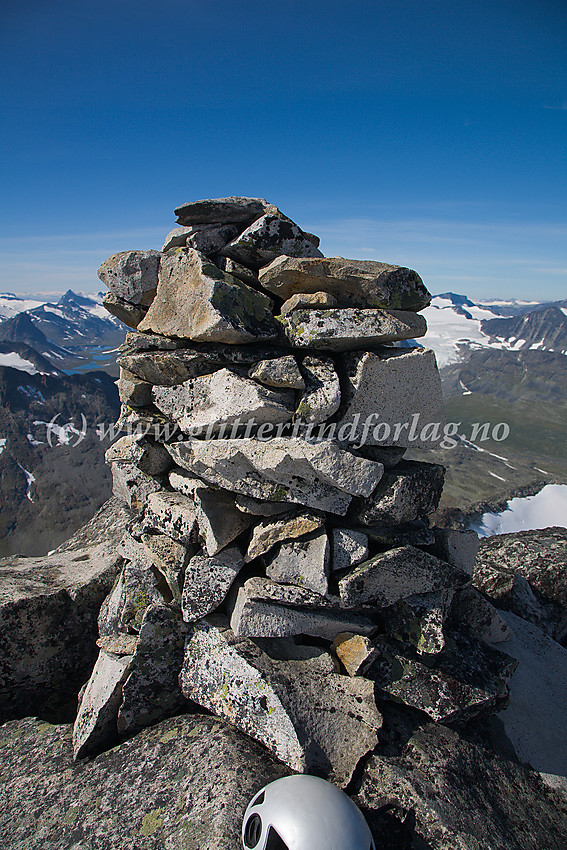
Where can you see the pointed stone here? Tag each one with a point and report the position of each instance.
(132, 391)
(480, 616)
(204, 405)
(418, 620)
(169, 557)
(297, 708)
(348, 328)
(396, 395)
(196, 300)
(409, 492)
(355, 283)
(219, 520)
(142, 587)
(282, 372)
(185, 482)
(208, 580)
(271, 531)
(390, 576)
(95, 725)
(322, 396)
(303, 562)
(267, 238)
(130, 314)
(284, 469)
(350, 548)
(132, 276)
(355, 652)
(177, 238)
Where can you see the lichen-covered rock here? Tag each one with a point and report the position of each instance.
(141, 587)
(196, 300)
(304, 562)
(132, 276)
(243, 273)
(397, 574)
(130, 314)
(322, 396)
(48, 617)
(393, 398)
(268, 237)
(147, 455)
(150, 792)
(409, 492)
(211, 239)
(131, 485)
(211, 404)
(355, 283)
(448, 793)
(284, 469)
(172, 514)
(315, 300)
(355, 652)
(169, 557)
(347, 328)
(232, 210)
(298, 709)
(418, 620)
(350, 548)
(269, 532)
(281, 372)
(477, 613)
(208, 579)
(263, 608)
(133, 391)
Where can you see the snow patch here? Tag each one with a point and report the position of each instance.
(32, 392)
(33, 441)
(30, 478)
(545, 509)
(3, 441)
(15, 361)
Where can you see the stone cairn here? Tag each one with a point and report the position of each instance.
(280, 570)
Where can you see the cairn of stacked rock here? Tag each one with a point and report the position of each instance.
(280, 569)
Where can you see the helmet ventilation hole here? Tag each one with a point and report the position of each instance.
(274, 841)
(253, 831)
(259, 799)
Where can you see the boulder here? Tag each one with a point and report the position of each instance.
(148, 456)
(218, 519)
(322, 396)
(269, 532)
(397, 574)
(316, 300)
(304, 562)
(298, 709)
(196, 300)
(172, 514)
(151, 791)
(392, 398)
(132, 276)
(224, 399)
(132, 391)
(350, 548)
(208, 579)
(48, 616)
(344, 329)
(418, 620)
(131, 485)
(282, 372)
(409, 492)
(268, 237)
(355, 283)
(232, 210)
(263, 608)
(130, 314)
(318, 475)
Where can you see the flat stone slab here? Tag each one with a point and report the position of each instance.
(409, 492)
(132, 276)
(393, 398)
(284, 469)
(354, 283)
(196, 300)
(307, 299)
(263, 608)
(397, 574)
(204, 405)
(269, 532)
(95, 725)
(347, 328)
(296, 708)
(150, 457)
(268, 237)
(208, 580)
(130, 314)
(227, 210)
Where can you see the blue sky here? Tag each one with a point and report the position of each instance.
(428, 133)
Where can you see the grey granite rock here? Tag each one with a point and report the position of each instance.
(130, 314)
(177, 238)
(459, 548)
(409, 492)
(445, 792)
(304, 562)
(256, 507)
(416, 533)
(263, 608)
(348, 328)
(218, 519)
(172, 514)
(152, 791)
(315, 300)
(167, 368)
(243, 273)
(148, 456)
(322, 396)
(393, 398)
(142, 586)
(135, 341)
(475, 611)
(184, 482)
(350, 548)
(355, 283)
(296, 708)
(196, 300)
(397, 574)
(233, 210)
(268, 237)
(48, 617)
(132, 276)
(131, 485)
(418, 620)
(269, 532)
(210, 404)
(208, 580)
(133, 391)
(169, 557)
(210, 240)
(317, 475)
(281, 372)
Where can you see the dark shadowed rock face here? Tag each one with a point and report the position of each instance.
(181, 785)
(445, 793)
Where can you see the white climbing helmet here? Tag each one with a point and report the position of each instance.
(304, 813)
